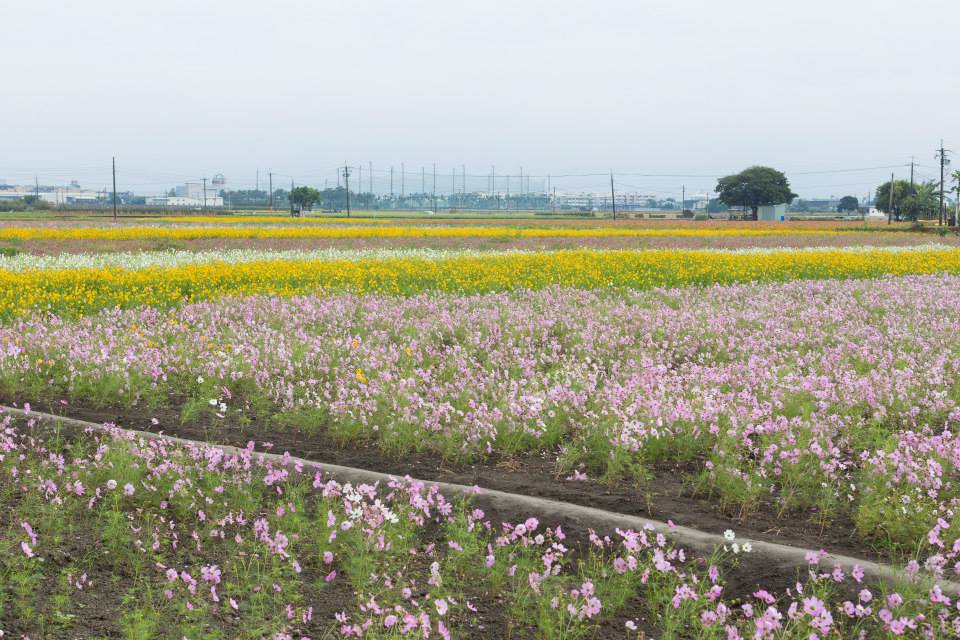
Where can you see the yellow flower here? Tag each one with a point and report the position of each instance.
(78, 292)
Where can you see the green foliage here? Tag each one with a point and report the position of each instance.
(901, 190)
(848, 203)
(716, 206)
(923, 202)
(26, 203)
(755, 187)
(304, 197)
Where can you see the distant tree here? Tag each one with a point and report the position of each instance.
(923, 202)
(334, 198)
(715, 206)
(304, 197)
(901, 190)
(848, 203)
(955, 176)
(755, 187)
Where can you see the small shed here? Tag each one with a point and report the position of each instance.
(776, 212)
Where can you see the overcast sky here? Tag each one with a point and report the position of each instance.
(181, 89)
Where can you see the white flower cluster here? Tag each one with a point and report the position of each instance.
(134, 260)
(736, 547)
(358, 502)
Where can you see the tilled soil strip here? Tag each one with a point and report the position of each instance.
(776, 556)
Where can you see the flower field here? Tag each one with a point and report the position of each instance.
(212, 545)
(366, 230)
(793, 393)
(77, 291)
(807, 396)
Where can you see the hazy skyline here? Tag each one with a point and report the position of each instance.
(179, 90)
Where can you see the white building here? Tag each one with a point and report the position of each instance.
(601, 201)
(57, 196)
(194, 195)
(185, 202)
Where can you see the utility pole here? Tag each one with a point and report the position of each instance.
(258, 181)
(114, 188)
(463, 170)
(890, 206)
(371, 175)
(911, 174)
(271, 191)
(346, 179)
(942, 155)
(391, 182)
(204, 194)
(683, 199)
(493, 182)
(943, 158)
(359, 178)
(613, 198)
(554, 199)
(423, 179)
(403, 173)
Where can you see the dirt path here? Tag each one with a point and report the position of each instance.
(771, 565)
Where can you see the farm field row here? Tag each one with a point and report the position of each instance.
(53, 247)
(359, 218)
(132, 260)
(280, 230)
(106, 536)
(78, 291)
(821, 401)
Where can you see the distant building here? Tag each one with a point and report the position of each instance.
(601, 201)
(696, 202)
(772, 212)
(192, 195)
(57, 196)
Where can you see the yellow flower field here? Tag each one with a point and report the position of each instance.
(81, 291)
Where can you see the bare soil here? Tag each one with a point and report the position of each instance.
(669, 495)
